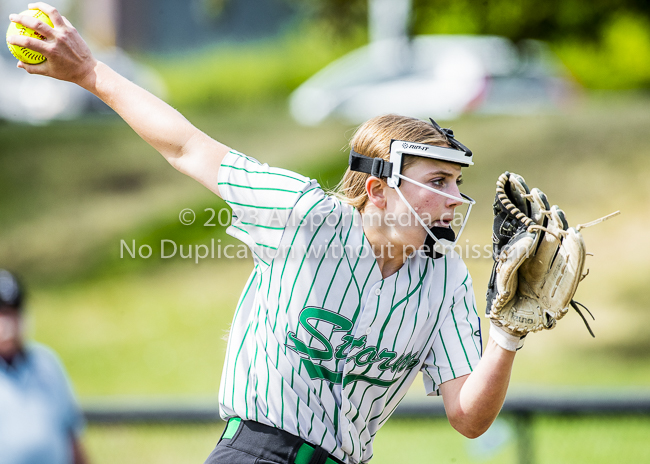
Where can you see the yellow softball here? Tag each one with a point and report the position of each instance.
(25, 54)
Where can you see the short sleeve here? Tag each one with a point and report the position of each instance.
(458, 346)
(262, 199)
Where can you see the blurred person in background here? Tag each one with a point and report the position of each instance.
(40, 421)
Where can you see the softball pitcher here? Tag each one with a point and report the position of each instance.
(352, 294)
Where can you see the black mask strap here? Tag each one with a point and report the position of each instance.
(451, 139)
(374, 166)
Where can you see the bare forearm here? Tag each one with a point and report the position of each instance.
(473, 402)
(160, 125)
(184, 146)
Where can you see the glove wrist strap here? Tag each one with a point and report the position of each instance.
(505, 340)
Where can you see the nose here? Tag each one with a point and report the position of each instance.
(455, 192)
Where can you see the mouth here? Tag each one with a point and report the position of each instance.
(444, 220)
(441, 223)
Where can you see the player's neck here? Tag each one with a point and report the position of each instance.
(389, 254)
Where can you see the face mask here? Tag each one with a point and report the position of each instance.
(439, 240)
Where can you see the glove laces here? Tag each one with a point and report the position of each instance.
(559, 234)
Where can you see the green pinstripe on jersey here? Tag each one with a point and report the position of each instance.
(255, 357)
(260, 172)
(262, 226)
(472, 315)
(469, 364)
(256, 243)
(250, 282)
(285, 263)
(269, 189)
(306, 300)
(357, 376)
(438, 315)
(444, 346)
(321, 345)
(257, 206)
(278, 310)
(421, 276)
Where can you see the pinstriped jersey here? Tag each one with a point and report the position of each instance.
(321, 345)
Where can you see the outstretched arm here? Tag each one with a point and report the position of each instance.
(473, 401)
(69, 59)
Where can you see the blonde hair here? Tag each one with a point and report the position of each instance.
(372, 139)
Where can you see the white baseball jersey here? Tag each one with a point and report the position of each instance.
(321, 345)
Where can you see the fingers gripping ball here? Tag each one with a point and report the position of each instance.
(25, 54)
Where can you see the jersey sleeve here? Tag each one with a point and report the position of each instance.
(458, 347)
(262, 199)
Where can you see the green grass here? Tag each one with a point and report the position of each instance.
(155, 333)
(166, 444)
(591, 440)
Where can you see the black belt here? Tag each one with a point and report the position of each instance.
(264, 436)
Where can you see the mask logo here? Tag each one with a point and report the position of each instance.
(414, 146)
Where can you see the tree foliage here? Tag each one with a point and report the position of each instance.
(516, 19)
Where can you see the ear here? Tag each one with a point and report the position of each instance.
(376, 190)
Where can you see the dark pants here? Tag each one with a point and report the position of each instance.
(256, 443)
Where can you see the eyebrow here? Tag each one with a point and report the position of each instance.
(442, 172)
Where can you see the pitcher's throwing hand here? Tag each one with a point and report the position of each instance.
(68, 58)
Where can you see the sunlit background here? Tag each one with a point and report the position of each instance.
(556, 91)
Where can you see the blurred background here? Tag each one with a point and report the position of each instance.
(556, 91)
